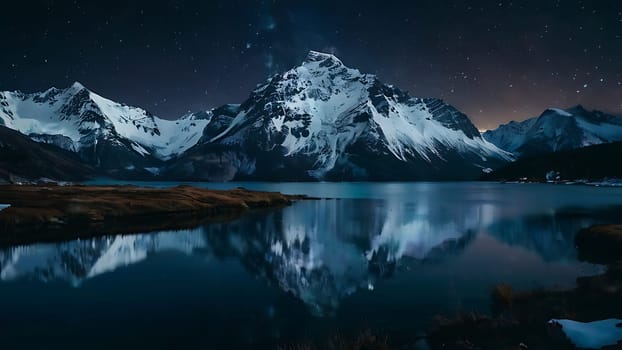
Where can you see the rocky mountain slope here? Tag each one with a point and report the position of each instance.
(22, 159)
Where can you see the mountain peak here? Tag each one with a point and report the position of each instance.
(77, 86)
(577, 109)
(316, 56)
(557, 111)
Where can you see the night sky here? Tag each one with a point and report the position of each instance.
(494, 60)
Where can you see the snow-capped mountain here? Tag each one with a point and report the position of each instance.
(323, 120)
(557, 130)
(105, 133)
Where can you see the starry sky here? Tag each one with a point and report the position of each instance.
(495, 60)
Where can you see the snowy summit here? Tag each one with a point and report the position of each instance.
(323, 120)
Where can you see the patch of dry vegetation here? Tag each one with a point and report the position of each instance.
(63, 212)
(600, 244)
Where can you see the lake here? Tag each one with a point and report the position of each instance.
(380, 256)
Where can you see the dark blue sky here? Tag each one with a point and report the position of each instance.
(495, 60)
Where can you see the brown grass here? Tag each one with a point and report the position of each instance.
(503, 294)
(57, 212)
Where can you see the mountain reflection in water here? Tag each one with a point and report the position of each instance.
(319, 251)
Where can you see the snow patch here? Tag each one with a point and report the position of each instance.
(592, 335)
(140, 149)
(560, 112)
(153, 170)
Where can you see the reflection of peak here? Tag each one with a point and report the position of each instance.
(407, 233)
(123, 251)
(78, 260)
(322, 259)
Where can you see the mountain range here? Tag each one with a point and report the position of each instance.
(573, 144)
(557, 130)
(109, 136)
(318, 121)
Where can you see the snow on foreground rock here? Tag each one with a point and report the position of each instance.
(592, 335)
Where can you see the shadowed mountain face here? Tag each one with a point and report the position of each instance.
(22, 159)
(321, 259)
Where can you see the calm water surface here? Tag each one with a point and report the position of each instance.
(386, 256)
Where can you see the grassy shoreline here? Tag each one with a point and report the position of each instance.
(52, 213)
